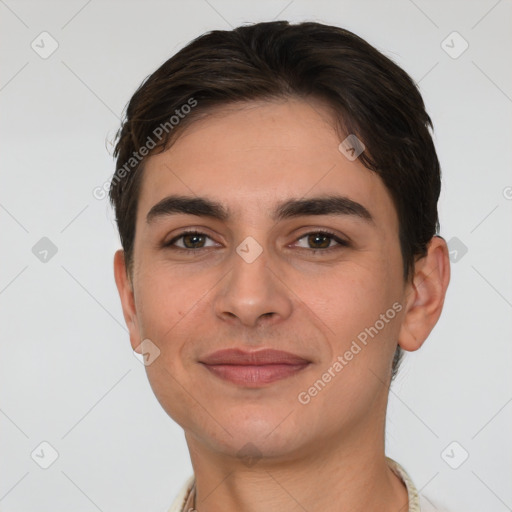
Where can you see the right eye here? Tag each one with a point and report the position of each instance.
(190, 240)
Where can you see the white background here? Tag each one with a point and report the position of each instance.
(67, 372)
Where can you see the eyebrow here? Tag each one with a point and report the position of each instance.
(203, 207)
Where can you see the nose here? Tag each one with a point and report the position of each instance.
(252, 292)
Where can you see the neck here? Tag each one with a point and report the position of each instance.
(338, 476)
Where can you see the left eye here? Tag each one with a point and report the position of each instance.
(321, 240)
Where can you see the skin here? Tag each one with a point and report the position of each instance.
(328, 454)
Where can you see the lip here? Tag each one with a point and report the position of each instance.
(253, 369)
(237, 356)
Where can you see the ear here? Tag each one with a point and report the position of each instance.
(425, 295)
(125, 289)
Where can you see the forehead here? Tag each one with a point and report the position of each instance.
(251, 156)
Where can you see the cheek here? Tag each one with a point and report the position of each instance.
(163, 297)
(356, 307)
(359, 310)
(350, 297)
(173, 309)
(168, 311)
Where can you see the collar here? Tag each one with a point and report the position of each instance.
(414, 500)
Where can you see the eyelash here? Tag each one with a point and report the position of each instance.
(341, 243)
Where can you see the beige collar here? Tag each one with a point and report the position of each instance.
(414, 500)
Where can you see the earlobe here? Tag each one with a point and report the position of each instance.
(125, 289)
(425, 295)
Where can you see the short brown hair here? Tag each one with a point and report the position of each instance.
(371, 96)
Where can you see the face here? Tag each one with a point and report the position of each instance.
(306, 260)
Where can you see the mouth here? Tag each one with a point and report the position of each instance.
(253, 369)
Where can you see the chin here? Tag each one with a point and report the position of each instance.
(252, 434)
(251, 448)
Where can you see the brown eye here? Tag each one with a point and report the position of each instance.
(321, 241)
(190, 240)
(193, 241)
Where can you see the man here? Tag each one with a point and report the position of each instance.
(276, 197)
